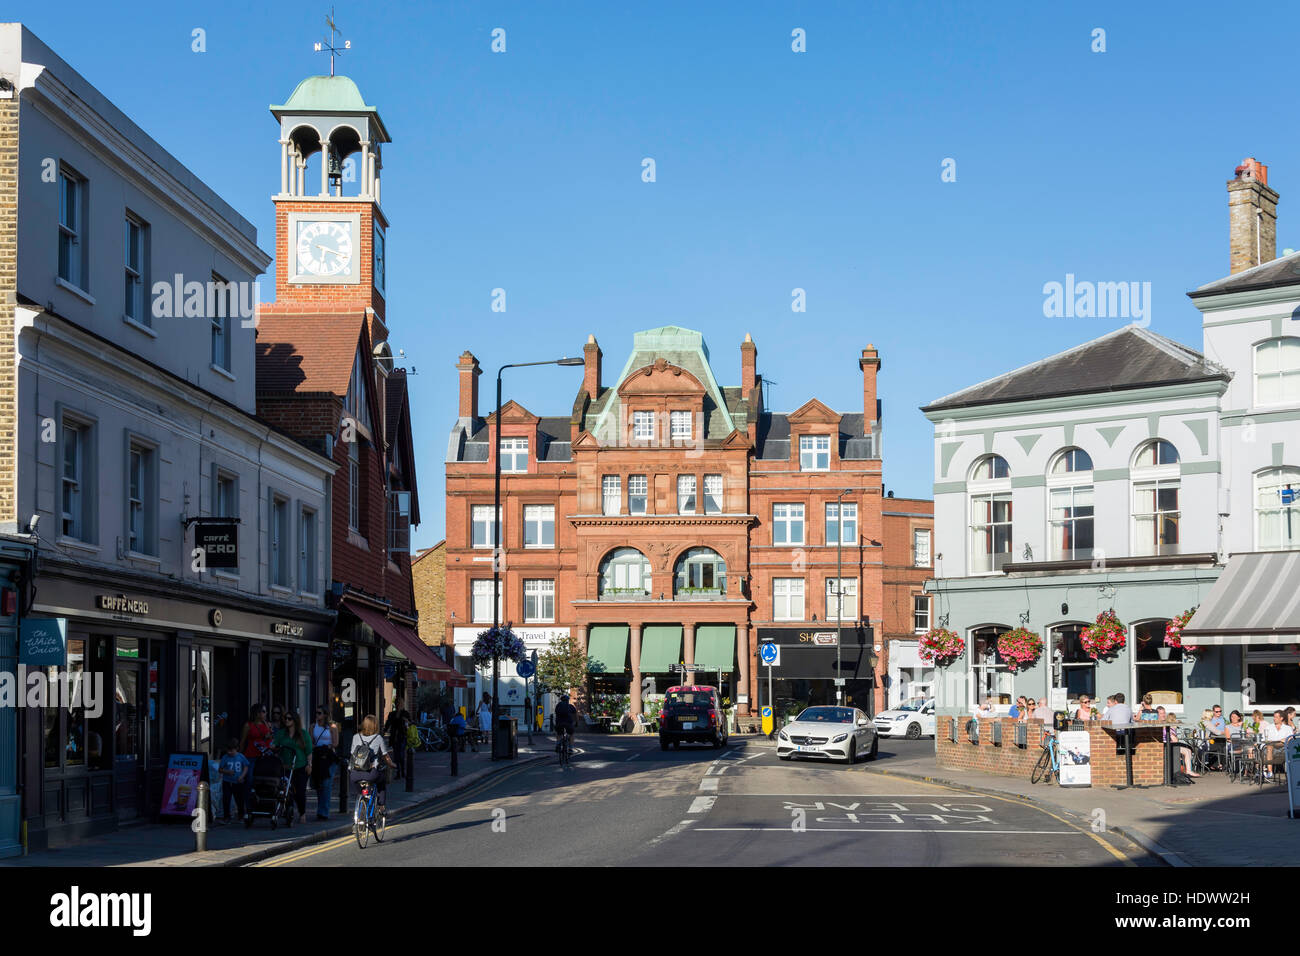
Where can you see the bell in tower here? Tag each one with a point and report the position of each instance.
(326, 118)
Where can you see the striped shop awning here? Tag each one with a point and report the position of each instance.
(607, 649)
(661, 647)
(715, 647)
(1255, 601)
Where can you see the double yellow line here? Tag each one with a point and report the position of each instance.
(441, 805)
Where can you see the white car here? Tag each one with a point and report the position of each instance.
(913, 719)
(828, 733)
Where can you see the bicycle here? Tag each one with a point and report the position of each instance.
(368, 817)
(1049, 762)
(433, 738)
(566, 749)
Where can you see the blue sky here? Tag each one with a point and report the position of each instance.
(775, 170)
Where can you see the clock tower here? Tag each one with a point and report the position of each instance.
(330, 231)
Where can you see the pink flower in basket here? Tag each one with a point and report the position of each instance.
(1104, 637)
(1019, 647)
(1174, 632)
(941, 646)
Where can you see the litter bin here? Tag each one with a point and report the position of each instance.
(505, 745)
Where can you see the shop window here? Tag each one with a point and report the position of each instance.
(993, 679)
(1159, 667)
(78, 710)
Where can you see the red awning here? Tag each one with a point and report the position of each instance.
(429, 666)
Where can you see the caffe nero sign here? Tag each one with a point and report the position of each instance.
(219, 542)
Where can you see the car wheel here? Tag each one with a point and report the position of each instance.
(853, 754)
(913, 731)
(875, 747)
(718, 741)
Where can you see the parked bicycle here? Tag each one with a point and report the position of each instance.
(368, 817)
(433, 738)
(1049, 761)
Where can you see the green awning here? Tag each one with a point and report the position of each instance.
(661, 647)
(715, 647)
(607, 649)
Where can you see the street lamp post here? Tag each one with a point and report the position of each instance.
(839, 589)
(496, 537)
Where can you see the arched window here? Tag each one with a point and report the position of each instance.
(990, 515)
(993, 679)
(1069, 530)
(1277, 372)
(624, 574)
(1072, 668)
(1156, 513)
(700, 573)
(1157, 666)
(1277, 509)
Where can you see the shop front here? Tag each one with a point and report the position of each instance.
(144, 672)
(811, 660)
(16, 554)
(514, 693)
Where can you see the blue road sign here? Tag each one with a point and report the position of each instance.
(769, 653)
(525, 669)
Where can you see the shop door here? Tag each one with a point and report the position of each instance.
(129, 711)
(275, 684)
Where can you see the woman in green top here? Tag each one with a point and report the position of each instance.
(291, 741)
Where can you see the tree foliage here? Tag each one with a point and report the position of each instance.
(562, 666)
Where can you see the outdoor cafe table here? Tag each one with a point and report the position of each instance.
(1130, 744)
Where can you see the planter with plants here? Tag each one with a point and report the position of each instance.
(941, 646)
(1019, 647)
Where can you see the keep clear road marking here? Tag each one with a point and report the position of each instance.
(702, 804)
(709, 783)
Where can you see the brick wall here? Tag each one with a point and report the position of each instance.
(429, 579)
(8, 302)
(1008, 760)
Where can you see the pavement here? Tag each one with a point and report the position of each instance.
(1213, 822)
(172, 844)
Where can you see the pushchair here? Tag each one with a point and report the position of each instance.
(270, 791)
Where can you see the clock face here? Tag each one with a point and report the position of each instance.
(324, 248)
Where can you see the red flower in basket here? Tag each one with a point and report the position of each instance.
(1174, 632)
(1104, 637)
(941, 646)
(1019, 647)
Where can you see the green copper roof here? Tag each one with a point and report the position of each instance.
(328, 94)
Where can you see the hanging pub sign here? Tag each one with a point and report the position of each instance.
(43, 642)
(218, 539)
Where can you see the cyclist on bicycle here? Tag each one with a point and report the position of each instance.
(565, 721)
(369, 738)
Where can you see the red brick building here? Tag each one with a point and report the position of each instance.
(908, 612)
(667, 518)
(325, 375)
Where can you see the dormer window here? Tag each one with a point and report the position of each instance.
(814, 452)
(514, 455)
(680, 423)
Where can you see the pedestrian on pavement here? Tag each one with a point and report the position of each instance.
(456, 740)
(234, 769)
(395, 728)
(294, 746)
(256, 738)
(324, 760)
(484, 715)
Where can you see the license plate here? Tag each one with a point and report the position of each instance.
(806, 750)
(688, 725)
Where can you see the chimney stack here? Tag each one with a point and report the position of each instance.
(469, 373)
(591, 355)
(1252, 217)
(748, 365)
(870, 365)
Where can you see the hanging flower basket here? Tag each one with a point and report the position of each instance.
(498, 642)
(941, 646)
(1019, 648)
(1174, 632)
(1105, 637)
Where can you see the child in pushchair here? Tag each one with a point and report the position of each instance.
(270, 792)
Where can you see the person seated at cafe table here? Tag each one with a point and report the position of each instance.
(1043, 712)
(1256, 721)
(986, 709)
(1147, 710)
(1083, 710)
(1275, 733)
(1162, 716)
(1119, 712)
(1236, 728)
(1217, 725)
(1019, 709)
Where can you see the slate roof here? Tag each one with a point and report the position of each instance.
(773, 438)
(553, 437)
(302, 354)
(1270, 275)
(1131, 357)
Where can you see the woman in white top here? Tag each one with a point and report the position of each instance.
(484, 713)
(370, 738)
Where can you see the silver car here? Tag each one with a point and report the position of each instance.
(828, 733)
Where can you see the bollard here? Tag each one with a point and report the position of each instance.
(410, 769)
(200, 814)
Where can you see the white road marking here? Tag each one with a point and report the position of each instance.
(633, 757)
(787, 829)
(671, 832)
(709, 783)
(702, 804)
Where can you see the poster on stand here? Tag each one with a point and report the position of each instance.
(1074, 751)
(181, 785)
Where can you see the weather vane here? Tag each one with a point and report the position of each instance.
(322, 45)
